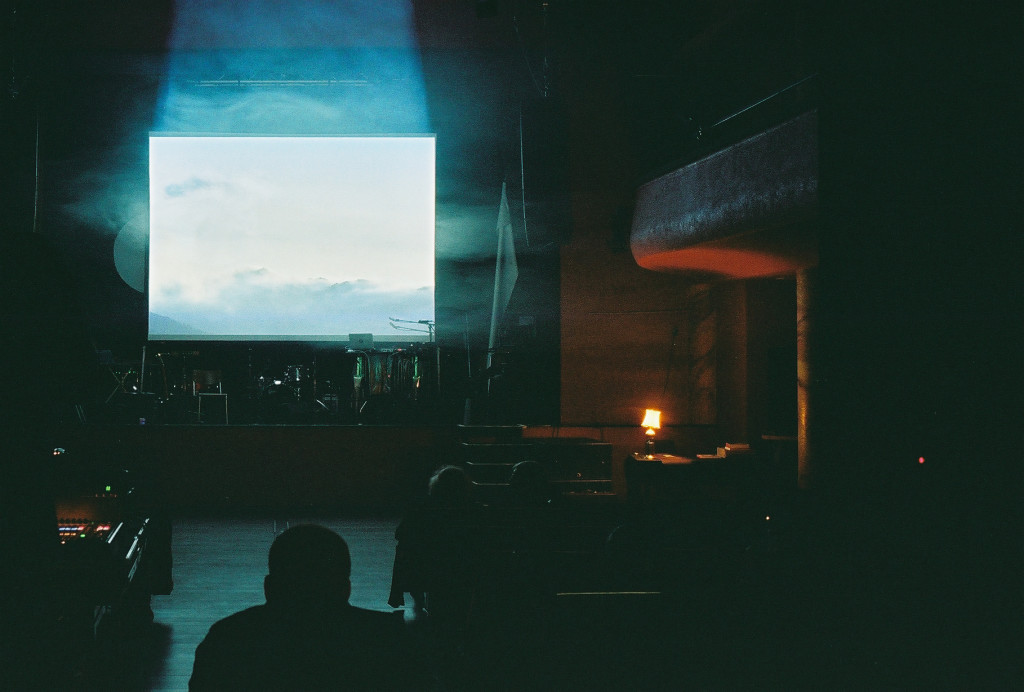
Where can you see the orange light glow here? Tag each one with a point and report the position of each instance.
(652, 420)
(739, 263)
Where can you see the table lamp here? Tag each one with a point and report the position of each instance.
(652, 421)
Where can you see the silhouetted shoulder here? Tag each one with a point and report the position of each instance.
(262, 648)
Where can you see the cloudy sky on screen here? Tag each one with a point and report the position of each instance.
(290, 235)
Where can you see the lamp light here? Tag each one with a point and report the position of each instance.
(652, 421)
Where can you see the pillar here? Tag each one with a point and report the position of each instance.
(806, 294)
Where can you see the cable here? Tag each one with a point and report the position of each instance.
(522, 175)
(526, 58)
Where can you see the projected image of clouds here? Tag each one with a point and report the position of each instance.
(289, 238)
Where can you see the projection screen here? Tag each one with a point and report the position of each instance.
(290, 238)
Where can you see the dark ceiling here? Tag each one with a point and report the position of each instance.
(681, 66)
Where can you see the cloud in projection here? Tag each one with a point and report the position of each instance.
(289, 237)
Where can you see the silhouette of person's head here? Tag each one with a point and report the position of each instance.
(449, 486)
(310, 569)
(529, 484)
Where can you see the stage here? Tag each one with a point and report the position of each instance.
(237, 469)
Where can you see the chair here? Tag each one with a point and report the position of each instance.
(208, 383)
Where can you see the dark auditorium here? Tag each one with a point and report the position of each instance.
(476, 345)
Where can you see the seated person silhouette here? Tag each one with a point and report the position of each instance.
(307, 636)
(529, 486)
(434, 558)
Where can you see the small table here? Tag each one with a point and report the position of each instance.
(661, 477)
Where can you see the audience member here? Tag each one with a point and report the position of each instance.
(514, 603)
(529, 512)
(307, 636)
(435, 555)
(529, 486)
(525, 528)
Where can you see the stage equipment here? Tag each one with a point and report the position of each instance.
(360, 342)
(207, 383)
(652, 421)
(576, 467)
(110, 557)
(398, 325)
(126, 374)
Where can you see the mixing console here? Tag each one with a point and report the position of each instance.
(77, 529)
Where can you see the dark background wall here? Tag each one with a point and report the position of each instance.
(916, 227)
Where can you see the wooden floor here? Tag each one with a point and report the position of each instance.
(219, 565)
(751, 616)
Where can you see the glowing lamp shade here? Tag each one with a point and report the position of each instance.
(652, 421)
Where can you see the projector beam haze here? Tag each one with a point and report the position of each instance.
(303, 221)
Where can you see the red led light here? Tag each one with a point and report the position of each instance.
(920, 460)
